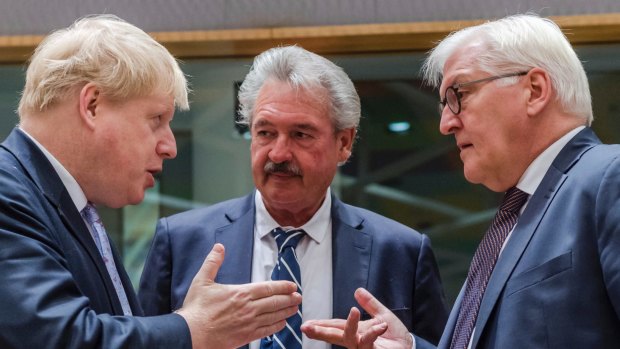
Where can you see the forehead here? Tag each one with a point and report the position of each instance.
(460, 65)
(278, 102)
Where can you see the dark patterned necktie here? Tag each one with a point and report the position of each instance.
(287, 268)
(483, 263)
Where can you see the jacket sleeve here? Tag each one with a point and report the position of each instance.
(42, 304)
(607, 227)
(430, 309)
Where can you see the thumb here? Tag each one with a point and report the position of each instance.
(369, 303)
(212, 263)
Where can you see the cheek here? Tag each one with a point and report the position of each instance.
(257, 159)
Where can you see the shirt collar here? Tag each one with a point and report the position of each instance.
(75, 191)
(316, 227)
(538, 168)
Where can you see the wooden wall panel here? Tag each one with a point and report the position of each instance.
(344, 39)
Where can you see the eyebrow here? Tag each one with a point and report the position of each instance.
(309, 127)
(457, 78)
(303, 126)
(262, 122)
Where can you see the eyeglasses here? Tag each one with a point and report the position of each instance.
(452, 96)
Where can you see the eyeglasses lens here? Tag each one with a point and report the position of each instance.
(452, 100)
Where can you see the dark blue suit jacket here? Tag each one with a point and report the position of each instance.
(392, 261)
(56, 291)
(557, 281)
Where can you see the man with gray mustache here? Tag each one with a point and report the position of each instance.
(303, 113)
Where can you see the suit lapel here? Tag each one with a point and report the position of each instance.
(238, 239)
(446, 337)
(350, 257)
(519, 239)
(529, 221)
(75, 224)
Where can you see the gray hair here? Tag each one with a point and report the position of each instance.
(520, 43)
(301, 69)
(121, 59)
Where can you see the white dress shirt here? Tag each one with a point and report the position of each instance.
(314, 252)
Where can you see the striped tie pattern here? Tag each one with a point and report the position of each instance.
(287, 268)
(89, 213)
(483, 263)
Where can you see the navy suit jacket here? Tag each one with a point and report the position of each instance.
(56, 291)
(392, 261)
(557, 282)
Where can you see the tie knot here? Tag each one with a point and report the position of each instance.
(89, 212)
(289, 238)
(513, 200)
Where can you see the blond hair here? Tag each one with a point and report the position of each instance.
(119, 58)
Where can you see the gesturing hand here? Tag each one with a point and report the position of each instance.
(383, 331)
(229, 316)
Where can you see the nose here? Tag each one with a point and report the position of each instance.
(280, 151)
(449, 122)
(167, 145)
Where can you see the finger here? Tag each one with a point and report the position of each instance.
(275, 303)
(350, 329)
(335, 323)
(371, 334)
(267, 330)
(212, 263)
(330, 335)
(369, 303)
(267, 319)
(269, 288)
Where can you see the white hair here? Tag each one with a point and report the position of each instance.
(301, 69)
(520, 43)
(119, 58)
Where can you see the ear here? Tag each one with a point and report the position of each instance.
(344, 141)
(539, 91)
(89, 103)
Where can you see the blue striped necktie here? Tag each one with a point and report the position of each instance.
(483, 263)
(287, 268)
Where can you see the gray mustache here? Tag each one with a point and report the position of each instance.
(282, 167)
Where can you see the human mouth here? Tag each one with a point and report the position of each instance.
(463, 146)
(152, 175)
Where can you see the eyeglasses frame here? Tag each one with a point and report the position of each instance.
(455, 88)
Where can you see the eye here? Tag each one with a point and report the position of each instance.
(156, 120)
(301, 135)
(263, 133)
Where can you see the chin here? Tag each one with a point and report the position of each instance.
(472, 176)
(135, 199)
(280, 201)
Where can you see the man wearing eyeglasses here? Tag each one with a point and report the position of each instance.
(515, 97)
